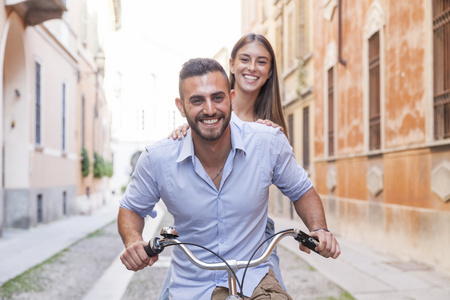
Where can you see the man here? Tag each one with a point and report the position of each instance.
(215, 183)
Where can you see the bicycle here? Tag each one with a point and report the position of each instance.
(169, 238)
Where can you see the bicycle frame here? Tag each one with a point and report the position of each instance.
(156, 245)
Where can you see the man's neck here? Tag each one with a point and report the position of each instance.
(211, 153)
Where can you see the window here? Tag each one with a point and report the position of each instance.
(290, 41)
(84, 22)
(306, 138)
(290, 125)
(373, 57)
(40, 209)
(441, 90)
(330, 112)
(302, 35)
(264, 10)
(374, 92)
(37, 125)
(83, 121)
(279, 47)
(64, 203)
(64, 16)
(63, 125)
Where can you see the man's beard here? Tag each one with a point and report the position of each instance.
(209, 135)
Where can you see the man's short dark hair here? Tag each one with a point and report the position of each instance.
(198, 67)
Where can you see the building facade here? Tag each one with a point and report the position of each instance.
(49, 64)
(381, 120)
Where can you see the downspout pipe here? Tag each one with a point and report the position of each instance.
(341, 60)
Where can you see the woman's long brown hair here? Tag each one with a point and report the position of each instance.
(268, 103)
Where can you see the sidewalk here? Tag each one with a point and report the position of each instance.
(114, 281)
(21, 250)
(365, 274)
(368, 275)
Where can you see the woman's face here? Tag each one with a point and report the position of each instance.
(251, 67)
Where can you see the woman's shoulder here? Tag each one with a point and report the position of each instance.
(258, 131)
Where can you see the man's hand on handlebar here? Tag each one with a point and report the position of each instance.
(328, 245)
(135, 258)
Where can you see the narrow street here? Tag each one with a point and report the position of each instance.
(77, 258)
(72, 273)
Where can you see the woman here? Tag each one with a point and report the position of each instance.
(254, 77)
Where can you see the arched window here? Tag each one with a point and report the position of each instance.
(330, 100)
(441, 68)
(374, 87)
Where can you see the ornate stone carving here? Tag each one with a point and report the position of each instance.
(329, 8)
(375, 180)
(375, 20)
(440, 180)
(331, 179)
(330, 56)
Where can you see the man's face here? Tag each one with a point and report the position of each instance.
(206, 105)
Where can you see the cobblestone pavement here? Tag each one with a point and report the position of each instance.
(73, 272)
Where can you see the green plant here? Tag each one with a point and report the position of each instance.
(84, 162)
(102, 167)
(99, 166)
(109, 169)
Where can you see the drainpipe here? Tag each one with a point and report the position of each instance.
(341, 60)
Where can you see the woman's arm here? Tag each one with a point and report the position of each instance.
(270, 123)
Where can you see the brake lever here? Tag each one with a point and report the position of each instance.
(153, 248)
(307, 240)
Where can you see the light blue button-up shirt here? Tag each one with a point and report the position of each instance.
(230, 220)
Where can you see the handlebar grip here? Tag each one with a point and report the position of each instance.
(153, 248)
(308, 241)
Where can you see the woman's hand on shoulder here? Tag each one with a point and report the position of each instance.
(179, 133)
(270, 123)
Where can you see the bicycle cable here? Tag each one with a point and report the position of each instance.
(256, 250)
(241, 293)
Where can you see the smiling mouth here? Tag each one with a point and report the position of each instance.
(249, 77)
(210, 121)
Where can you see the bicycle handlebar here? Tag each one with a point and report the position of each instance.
(156, 245)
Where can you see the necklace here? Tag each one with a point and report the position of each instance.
(220, 171)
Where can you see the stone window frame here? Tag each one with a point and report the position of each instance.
(330, 62)
(375, 22)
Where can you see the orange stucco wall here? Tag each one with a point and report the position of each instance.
(405, 72)
(406, 211)
(351, 182)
